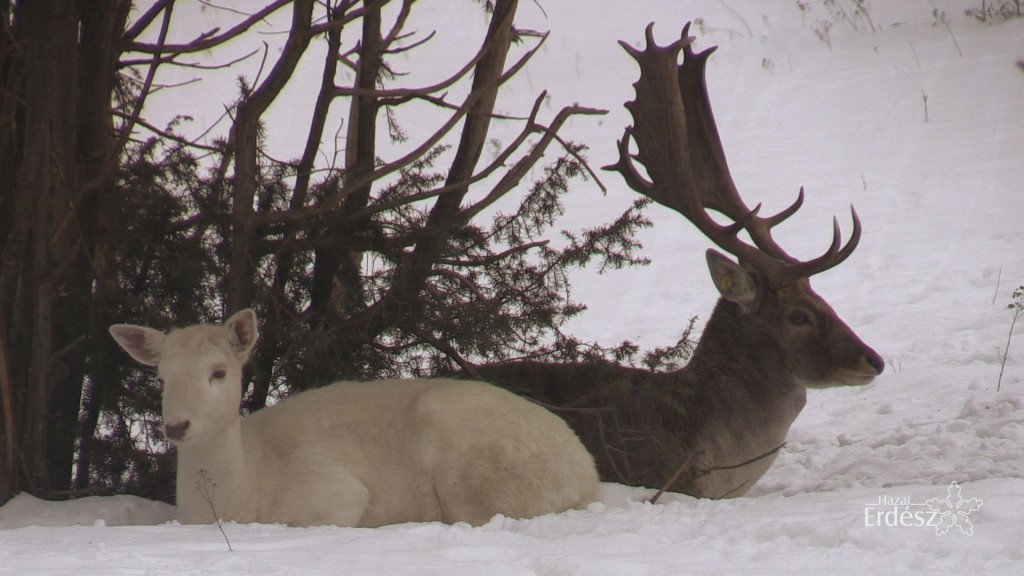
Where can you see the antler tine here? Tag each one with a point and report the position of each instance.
(792, 209)
(735, 228)
(683, 42)
(834, 255)
(627, 168)
(659, 144)
(761, 230)
(678, 144)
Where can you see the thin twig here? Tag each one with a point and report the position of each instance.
(208, 490)
(211, 38)
(953, 36)
(492, 258)
(169, 60)
(172, 136)
(448, 350)
(1017, 309)
(999, 278)
(665, 487)
(672, 480)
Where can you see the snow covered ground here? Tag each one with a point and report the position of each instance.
(858, 485)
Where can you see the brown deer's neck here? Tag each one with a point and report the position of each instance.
(744, 399)
(739, 375)
(737, 351)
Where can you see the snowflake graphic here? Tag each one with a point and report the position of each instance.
(953, 510)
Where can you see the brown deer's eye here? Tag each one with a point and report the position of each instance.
(799, 318)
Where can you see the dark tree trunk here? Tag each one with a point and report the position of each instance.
(336, 288)
(59, 142)
(241, 283)
(12, 233)
(101, 28)
(49, 177)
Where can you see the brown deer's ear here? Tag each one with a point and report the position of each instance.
(733, 282)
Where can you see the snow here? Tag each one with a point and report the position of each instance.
(942, 207)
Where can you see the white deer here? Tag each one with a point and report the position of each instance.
(352, 453)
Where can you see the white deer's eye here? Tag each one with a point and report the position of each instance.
(218, 374)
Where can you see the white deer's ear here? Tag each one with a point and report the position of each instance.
(733, 282)
(244, 332)
(143, 344)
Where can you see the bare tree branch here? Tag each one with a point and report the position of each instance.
(448, 350)
(210, 39)
(382, 171)
(514, 175)
(170, 59)
(492, 258)
(368, 6)
(147, 18)
(417, 92)
(100, 178)
(239, 283)
(191, 143)
(140, 102)
(412, 273)
(412, 46)
(396, 30)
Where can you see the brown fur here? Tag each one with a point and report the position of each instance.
(722, 418)
(720, 421)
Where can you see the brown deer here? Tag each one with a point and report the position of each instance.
(713, 428)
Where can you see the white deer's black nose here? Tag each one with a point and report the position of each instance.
(175, 431)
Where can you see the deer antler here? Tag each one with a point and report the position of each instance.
(678, 144)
